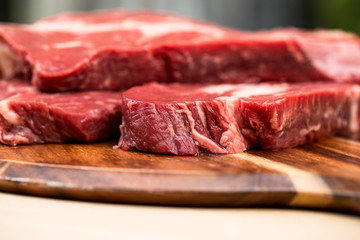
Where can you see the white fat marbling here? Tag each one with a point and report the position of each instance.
(148, 29)
(70, 44)
(201, 114)
(200, 139)
(6, 60)
(313, 128)
(9, 115)
(246, 90)
(354, 110)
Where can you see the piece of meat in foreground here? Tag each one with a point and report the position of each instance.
(117, 49)
(28, 116)
(193, 119)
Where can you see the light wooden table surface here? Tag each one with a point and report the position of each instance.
(24, 217)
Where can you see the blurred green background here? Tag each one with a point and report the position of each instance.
(242, 14)
(342, 14)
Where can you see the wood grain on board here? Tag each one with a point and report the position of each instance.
(324, 175)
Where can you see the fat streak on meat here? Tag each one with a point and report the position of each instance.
(28, 116)
(117, 49)
(193, 119)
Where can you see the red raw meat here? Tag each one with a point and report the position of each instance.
(118, 49)
(27, 116)
(192, 119)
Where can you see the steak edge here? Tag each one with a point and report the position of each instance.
(117, 49)
(28, 116)
(193, 119)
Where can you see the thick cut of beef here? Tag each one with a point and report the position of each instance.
(117, 49)
(194, 119)
(27, 116)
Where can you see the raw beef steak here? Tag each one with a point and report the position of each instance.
(194, 119)
(27, 116)
(118, 49)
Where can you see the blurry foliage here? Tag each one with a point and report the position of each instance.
(338, 14)
(4, 10)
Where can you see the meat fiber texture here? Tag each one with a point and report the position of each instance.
(117, 49)
(194, 119)
(28, 116)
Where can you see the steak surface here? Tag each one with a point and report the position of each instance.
(229, 118)
(28, 116)
(116, 49)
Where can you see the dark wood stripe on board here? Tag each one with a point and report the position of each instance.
(333, 154)
(312, 162)
(341, 145)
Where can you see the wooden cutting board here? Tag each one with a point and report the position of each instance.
(324, 175)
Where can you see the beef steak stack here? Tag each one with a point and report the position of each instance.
(209, 96)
